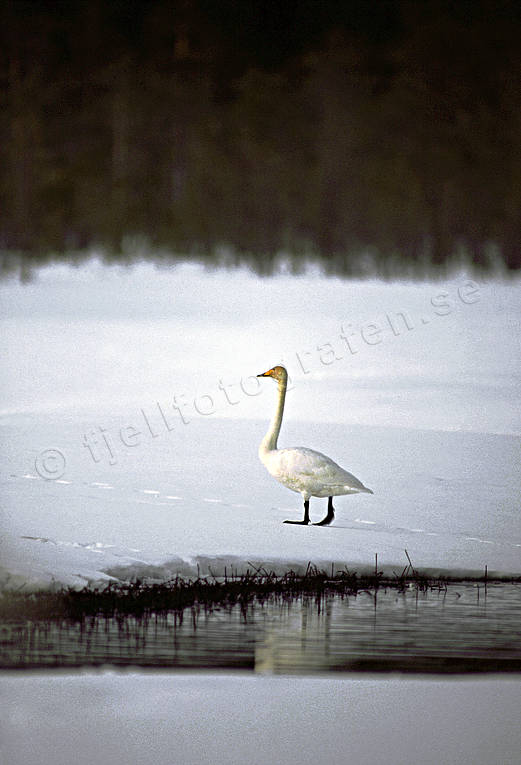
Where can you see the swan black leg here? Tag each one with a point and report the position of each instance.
(306, 515)
(330, 514)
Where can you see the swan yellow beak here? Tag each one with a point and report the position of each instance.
(269, 373)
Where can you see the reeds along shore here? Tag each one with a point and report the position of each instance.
(256, 585)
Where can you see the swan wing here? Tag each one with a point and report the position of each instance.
(308, 471)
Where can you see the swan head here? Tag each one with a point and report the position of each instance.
(278, 373)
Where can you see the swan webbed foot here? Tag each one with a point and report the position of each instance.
(325, 521)
(305, 520)
(330, 515)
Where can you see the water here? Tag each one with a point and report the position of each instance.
(463, 628)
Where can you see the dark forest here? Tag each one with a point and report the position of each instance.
(355, 131)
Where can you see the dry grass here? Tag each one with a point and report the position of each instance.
(255, 585)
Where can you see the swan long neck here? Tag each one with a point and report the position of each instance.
(269, 442)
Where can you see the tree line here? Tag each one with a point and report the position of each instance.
(346, 131)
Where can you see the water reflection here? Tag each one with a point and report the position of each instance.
(461, 629)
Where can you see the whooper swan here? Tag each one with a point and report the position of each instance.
(303, 470)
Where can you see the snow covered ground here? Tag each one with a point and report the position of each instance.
(202, 496)
(131, 419)
(412, 387)
(214, 719)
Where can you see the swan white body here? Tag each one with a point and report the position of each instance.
(300, 469)
(310, 473)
